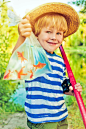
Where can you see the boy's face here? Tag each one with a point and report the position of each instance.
(50, 38)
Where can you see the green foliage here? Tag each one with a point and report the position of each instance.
(79, 37)
(12, 108)
(8, 38)
(81, 3)
(78, 2)
(6, 90)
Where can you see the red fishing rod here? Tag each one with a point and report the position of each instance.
(73, 82)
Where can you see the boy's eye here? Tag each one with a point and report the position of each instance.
(58, 33)
(48, 32)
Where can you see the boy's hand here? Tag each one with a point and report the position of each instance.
(78, 87)
(24, 27)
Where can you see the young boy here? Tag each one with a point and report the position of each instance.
(44, 105)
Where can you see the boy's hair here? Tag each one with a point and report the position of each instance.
(52, 19)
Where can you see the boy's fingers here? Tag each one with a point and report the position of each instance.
(78, 86)
(26, 30)
(24, 27)
(26, 34)
(28, 25)
(71, 88)
(24, 21)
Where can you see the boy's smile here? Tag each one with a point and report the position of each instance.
(50, 38)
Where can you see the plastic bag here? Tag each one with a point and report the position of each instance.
(28, 61)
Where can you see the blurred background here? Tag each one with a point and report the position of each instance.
(12, 93)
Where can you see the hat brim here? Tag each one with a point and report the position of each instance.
(66, 10)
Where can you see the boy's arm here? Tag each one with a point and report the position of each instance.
(24, 29)
(20, 40)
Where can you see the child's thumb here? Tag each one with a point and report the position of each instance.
(71, 88)
(27, 17)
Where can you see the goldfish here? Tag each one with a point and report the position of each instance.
(21, 56)
(31, 76)
(20, 73)
(39, 65)
(7, 75)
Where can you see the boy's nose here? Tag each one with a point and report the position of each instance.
(53, 36)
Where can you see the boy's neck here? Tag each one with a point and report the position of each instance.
(50, 52)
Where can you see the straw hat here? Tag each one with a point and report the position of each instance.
(67, 11)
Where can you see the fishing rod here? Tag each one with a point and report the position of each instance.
(73, 82)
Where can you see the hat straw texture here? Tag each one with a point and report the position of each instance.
(66, 10)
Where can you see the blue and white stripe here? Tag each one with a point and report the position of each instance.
(44, 100)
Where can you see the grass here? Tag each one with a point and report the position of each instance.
(74, 116)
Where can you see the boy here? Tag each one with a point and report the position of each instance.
(44, 105)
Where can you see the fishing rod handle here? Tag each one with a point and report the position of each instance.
(73, 82)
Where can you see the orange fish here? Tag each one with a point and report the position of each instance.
(31, 76)
(7, 75)
(21, 56)
(39, 65)
(20, 73)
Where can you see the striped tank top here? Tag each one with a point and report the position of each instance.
(44, 99)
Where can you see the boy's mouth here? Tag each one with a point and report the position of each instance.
(51, 43)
